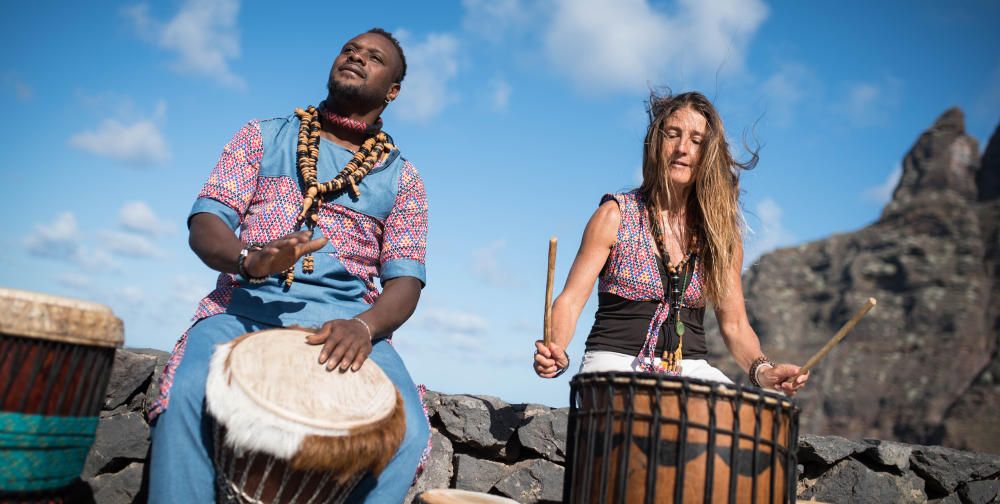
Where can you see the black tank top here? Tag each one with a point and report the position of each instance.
(621, 325)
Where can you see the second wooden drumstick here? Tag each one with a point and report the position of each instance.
(549, 279)
(841, 334)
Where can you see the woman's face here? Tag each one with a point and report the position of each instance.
(682, 137)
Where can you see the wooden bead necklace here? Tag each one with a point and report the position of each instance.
(374, 150)
(680, 275)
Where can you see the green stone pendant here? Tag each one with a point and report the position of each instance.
(680, 328)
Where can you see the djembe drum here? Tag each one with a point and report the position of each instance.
(456, 496)
(640, 437)
(55, 361)
(288, 430)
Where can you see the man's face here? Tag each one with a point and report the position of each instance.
(365, 70)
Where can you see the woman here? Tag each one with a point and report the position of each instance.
(675, 242)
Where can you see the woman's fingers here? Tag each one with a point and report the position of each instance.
(541, 349)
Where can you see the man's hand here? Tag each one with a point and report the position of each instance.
(346, 344)
(549, 360)
(281, 254)
(778, 378)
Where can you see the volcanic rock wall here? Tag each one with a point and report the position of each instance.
(484, 444)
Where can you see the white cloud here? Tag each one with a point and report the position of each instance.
(770, 234)
(492, 19)
(499, 94)
(784, 90)
(453, 322)
(871, 103)
(138, 217)
(59, 239)
(204, 37)
(431, 66)
(882, 193)
(96, 260)
(138, 143)
(131, 294)
(627, 44)
(189, 289)
(129, 244)
(76, 281)
(487, 266)
(21, 89)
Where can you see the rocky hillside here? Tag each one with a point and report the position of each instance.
(923, 367)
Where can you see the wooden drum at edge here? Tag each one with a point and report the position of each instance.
(641, 437)
(55, 361)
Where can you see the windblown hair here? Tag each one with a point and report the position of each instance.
(712, 208)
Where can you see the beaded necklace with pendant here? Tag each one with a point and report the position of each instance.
(678, 278)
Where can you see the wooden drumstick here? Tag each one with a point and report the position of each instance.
(835, 339)
(547, 329)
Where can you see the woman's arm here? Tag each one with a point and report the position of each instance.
(598, 238)
(741, 339)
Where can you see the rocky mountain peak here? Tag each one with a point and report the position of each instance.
(988, 178)
(943, 159)
(924, 365)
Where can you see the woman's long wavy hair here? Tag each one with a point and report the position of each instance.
(712, 208)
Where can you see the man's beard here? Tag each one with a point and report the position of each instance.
(353, 96)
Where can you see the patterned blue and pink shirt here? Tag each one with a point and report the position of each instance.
(255, 189)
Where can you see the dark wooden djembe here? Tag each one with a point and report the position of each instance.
(639, 437)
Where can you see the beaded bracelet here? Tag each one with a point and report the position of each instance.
(562, 369)
(755, 366)
(241, 264)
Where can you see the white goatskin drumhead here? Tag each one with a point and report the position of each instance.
(54, 318)
(279, 371)
(456, 496)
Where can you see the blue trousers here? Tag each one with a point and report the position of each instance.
(181, 468)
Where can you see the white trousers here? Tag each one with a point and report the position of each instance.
(599, 360)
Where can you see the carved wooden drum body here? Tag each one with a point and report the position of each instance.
(638, 437)
(55, 361)
(287, 430)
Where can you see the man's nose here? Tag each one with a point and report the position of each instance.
(355, 56)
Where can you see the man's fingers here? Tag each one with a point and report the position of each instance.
(359, 360)
(348, 359)
(316, 338)
(310, 246)
(328, 348)
(337, 354)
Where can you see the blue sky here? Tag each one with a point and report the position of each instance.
(519, 115)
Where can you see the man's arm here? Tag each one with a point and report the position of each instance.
(219, 248)
(347, 342)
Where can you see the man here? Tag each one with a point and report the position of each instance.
(375, 227)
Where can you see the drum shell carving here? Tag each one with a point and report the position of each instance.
(619, 422)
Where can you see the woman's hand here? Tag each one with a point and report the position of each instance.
(549, 360)
(279, 255)
(779, 378)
